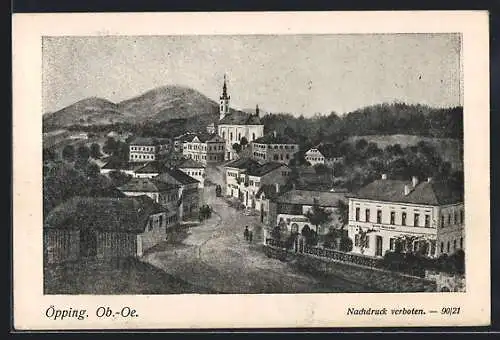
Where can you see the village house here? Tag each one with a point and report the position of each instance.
(189, 193)
(234, 125)
(293, 206)
(149, 170)
(90, 227)
(274, 147)
(179, 140)
(325, 154)
(245, 176)
(426, 216)
(143, 149)
(204, 148)
(193, 169)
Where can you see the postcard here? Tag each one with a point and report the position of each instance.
(250, 170)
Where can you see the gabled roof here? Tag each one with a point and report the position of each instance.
(425, 193)
(242, 163)
(177, 175)
(271, 138)
(146, 185)
(116, 164)
(190, 163)
(265, 168)
(269, 190)
(240, 118)
(150, 168)
(145, 141)
(309, 197)
(105, 214)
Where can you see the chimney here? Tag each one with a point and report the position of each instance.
(277, 187)
(407, 189)
(414, 181)
(429, 179)
(384, 176)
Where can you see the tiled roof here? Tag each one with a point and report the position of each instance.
(240, 118)
(265, 168)
(150, 168)
(145, 141)
(275, 139)
(425, 193)
(105, 214)
(242, 163)
(146, 185)
(309, 197)
(190, 163)
(179, 176)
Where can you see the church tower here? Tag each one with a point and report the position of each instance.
(224, 101)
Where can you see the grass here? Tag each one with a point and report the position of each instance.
(113, 276)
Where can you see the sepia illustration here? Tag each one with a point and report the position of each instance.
(253, 164)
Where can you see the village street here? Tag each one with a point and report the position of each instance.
(215, 256)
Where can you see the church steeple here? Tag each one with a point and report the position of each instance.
(224, 101)
(257, 110)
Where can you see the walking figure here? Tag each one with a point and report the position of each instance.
(246, 233)
(250, 236)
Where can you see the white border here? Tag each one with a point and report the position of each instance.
(212, 311)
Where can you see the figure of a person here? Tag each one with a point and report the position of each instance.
(246, 233)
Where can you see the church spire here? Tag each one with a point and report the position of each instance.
(257, 110)
(224, 101)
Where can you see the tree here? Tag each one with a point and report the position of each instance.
(95, 150)
(119, 178)
(321, 169)
(237, 147)
(110, 146)
(92, 170)
(243, 141)
(317, 215)
(83, 152)
(343, 211)
(361, 144)
(68, 153)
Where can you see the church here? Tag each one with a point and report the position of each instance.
(233, 125)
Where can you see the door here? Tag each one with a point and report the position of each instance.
(378, 247)
(88, 243)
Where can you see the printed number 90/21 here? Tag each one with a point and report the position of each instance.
(450, 310)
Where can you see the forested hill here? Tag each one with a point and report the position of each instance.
(381, 119)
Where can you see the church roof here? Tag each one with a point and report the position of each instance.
(240, 118)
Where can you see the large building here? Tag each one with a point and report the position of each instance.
(275, 148)
(194, 169)
(245, 176)
(325, 154)
(145, 149)
(204, 148)
(234, 125)
(425, 217)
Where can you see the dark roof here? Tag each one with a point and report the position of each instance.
(240, 118)
(152, 205)
(190, 163)
(106, 214)
(425, 193)
(275, 139)
(309, 197)
(269, 190)
(116, 164)
(145, 141)
(329, 150)
(264, 168)
(242, 163)
(146, 185)
(150, 168)
(107, 192)
(179, 177)
(206, 137)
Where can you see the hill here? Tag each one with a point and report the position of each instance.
(157, 105)
(88, 111)
(450, 150)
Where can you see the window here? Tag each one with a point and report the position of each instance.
(442, 247)
(455, 244)
(231, 136)
(442, 221)
(357, 214)
(393, 217)
(281, 156)
(415, 220)
(356, 240)
(449, 219)
(223, 134)
(461, 243)
(448, 246)
(391, 244)
(367, 215)
(287, 156)
(367, 241)
(253, 136)
(403, 218)
(427, 221)
(275, 146)
(379, 216)
(461, 217)
(455, 215)
(275, 157)
(239, 136)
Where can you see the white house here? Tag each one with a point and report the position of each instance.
(193, 169)
(325, 154)
(427, 217)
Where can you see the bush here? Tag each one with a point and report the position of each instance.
(345, 244)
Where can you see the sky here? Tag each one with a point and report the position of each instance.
(299, 74)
